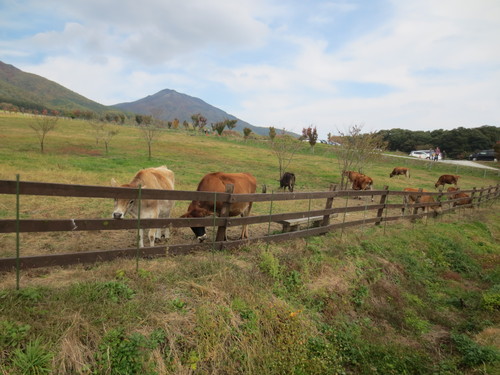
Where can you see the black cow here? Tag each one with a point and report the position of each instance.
(287, 181)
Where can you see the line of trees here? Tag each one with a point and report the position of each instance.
(457, 143)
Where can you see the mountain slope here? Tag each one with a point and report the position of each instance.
(169, 104)
(35, 92)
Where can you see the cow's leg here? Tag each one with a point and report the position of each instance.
(244, 228)
(141, 237)
(152, 236)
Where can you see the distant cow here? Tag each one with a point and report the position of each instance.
(362, 182)
(244, 183)
(463, 198)
(150, 178)
(400, 171)
(412, 198)
(287, 181)
(447, 179)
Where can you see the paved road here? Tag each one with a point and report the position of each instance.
(466, 163)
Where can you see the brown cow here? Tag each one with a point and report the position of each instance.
(362, 182)
(351, 175)
(412, 198)
(463, 198)
(447, 179)
(244, 183)
(400, 171)
(150, 178)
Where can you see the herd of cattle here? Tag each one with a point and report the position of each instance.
(244, 183)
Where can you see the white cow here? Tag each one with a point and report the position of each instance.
(150, 178)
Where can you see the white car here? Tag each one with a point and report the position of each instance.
(421, 154)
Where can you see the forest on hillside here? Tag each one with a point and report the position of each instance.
(457, 143)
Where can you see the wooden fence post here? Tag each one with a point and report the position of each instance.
(224, 212)
(472, 196)
(329, 204)
(480, 197)
(380, 211)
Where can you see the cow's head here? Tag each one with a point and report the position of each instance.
(197, 211)
(124, 206)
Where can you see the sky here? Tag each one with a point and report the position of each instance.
(379, 64)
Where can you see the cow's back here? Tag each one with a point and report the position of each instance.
(244, 183)
(155, 178)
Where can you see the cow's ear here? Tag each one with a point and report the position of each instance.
(114, 183)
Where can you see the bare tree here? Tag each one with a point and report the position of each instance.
(109, 133)
(150, 130)
(285, 147)
(358, 150)
(42, 126)
(96, 127)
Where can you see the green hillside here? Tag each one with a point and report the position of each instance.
(404, 298)
(34, 92)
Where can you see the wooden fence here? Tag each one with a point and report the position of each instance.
(381, 209)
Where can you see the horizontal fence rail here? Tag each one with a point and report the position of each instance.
(384, 212)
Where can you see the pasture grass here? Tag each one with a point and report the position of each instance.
(414, 298)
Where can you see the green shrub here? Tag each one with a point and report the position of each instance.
(491, 298)
(122, 354)
(33, 360)
(473, 354)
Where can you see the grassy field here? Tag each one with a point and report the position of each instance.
(406, 298)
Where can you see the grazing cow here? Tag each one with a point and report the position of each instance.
(351, 175)
(244, 183)
(362, 182)
(412, 198)
(150, 178)
(447, 179)
(400, 171)
(287, 181)
(463, 198)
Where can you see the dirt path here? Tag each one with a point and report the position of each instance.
(465, 163)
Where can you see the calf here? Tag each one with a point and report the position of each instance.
(447, 179)
(287, 181)
(400, 171)
(412, 198)
(150, 178)
(463, 198)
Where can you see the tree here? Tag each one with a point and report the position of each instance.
(219, 127)
(109, 133)
(231, 124)
(311, 134)
(247, 132)
(175, 123)
(357, 150)
(199, 121)
(150, 131)
(96, 127)
(285, 147)
(42, 126)
(272, 133)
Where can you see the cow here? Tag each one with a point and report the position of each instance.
(362, 182)
(287, 181)
(351, 175)
(447, 179)
(150, 178)
(244, 183)
(412, 198)
(463, 198)
(400, 171)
